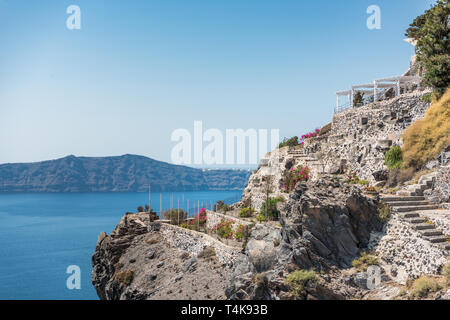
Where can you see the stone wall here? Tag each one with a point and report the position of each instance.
(360, 137)
(440, 193)
(194, 242)
(357, 142)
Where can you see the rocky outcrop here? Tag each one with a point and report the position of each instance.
(141, 260)
(325, 224)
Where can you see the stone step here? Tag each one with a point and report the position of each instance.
(408, 203)
(424, 226)
(444, 245)
(416, 220)
(407, 215)
(399, 198)
(431, 232)
(436, 239)
(414, 208)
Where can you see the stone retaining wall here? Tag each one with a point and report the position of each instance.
(440, 194)
(194, 242)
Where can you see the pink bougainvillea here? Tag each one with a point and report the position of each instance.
(308, 135)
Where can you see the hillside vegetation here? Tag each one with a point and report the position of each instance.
(427, 137)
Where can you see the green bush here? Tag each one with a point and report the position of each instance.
(425, 285)
(393, 158)
(176, 216)
(364, 261)
(298, 281)
(358, 99)
(260, 217)
(246, 212)
(384, 212)
(140, 209)
(292, 142)
(269, 209)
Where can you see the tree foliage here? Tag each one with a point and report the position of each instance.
(431, 31)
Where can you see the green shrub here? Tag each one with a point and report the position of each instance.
(176, 216)
(358, 99)
(246, 212)
(221, 206)
(292, 142)
(298, 281)
(124, 277)
(425, 285)
(140, 209)
(269, 209)
(393, 158)
(240, 232)
(260, 217)
(384, 212)
(364, 261)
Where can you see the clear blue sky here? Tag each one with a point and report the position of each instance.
(137, 70)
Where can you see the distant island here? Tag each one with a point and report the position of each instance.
(127, 173)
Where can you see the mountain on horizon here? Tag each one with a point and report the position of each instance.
(126, 173)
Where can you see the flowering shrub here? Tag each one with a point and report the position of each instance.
(354, 179)
(293, 176)
(240, 232)
(224, 229)
(308, 135)
(198, 221)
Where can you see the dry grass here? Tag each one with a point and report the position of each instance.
(427, 137)
(423, 286)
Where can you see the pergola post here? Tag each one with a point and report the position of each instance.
(352, 94)
(375, 98)
(337, 103)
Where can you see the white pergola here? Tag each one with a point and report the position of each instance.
(371, 89)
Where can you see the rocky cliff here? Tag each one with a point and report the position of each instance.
(356, 141)
(128, 173)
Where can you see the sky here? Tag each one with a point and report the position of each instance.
(136, 71)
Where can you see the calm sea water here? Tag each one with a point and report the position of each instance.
(42, 234)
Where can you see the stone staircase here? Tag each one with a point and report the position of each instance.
(407, 206)
(425, 182)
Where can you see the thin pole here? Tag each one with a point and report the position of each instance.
(160, 205)
(149, 198)
(188, 207)
(178, 211)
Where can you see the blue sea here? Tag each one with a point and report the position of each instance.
(41, 234)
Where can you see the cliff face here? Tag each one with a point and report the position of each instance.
(128, 173)
(324, 226)
(356, 142)
(141, 260)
